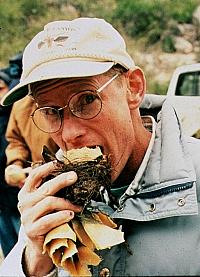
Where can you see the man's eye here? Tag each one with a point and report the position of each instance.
(49, 111)
(84, 102)
(86, 99)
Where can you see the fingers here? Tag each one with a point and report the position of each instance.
(38, 174)
(48, 205)
(54, 185)
(37, 200)
(47, 214)
(40, 209)
(27, 170)
(46, 223)
(46, 189)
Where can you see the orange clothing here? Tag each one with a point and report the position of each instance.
(25, 139)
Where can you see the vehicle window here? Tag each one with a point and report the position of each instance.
(188, 84)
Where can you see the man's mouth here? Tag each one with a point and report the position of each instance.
(96, 146)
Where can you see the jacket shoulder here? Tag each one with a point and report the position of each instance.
(194, 149)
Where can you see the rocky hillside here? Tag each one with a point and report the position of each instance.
(159, 65)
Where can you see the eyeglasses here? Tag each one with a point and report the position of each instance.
(85, 104)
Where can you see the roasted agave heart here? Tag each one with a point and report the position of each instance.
(93, 170)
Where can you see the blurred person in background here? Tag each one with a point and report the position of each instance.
(23, 143)
(9, 215)
(5, 81)
(25, 140)
(15, 68)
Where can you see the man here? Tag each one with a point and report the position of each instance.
(89, 91)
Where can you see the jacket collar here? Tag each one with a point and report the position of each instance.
(169, 170)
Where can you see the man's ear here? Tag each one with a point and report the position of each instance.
(136, 87)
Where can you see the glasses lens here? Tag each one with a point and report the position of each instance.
(85, 104)
(47, 119)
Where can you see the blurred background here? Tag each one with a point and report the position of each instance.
(160, 34)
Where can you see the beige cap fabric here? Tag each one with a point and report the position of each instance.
(77, 48)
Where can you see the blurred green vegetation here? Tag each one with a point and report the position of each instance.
(150, 21)
(156, 20)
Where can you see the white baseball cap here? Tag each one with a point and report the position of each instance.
(78, 48)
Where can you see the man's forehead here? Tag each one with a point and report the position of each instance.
(44, 86)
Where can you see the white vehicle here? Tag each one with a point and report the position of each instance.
(184, 91)
(184, 94)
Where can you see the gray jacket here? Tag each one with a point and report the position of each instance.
(160, 220)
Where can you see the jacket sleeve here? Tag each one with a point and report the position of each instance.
(17, 149)
(12, 265)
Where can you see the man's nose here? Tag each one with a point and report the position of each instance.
(73, 130)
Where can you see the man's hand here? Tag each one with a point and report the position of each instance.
(41, 211)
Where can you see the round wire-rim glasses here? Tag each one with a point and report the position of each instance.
(85, 104)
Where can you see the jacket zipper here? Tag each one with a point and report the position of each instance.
(157, 193)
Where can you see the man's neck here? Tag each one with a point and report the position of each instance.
(128, 173)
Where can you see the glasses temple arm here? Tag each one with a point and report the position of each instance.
(108, 82)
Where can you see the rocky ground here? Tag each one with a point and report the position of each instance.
(158, 65)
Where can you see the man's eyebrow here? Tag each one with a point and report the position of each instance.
(61, 81)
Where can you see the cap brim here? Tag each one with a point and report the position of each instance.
(53, 70)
